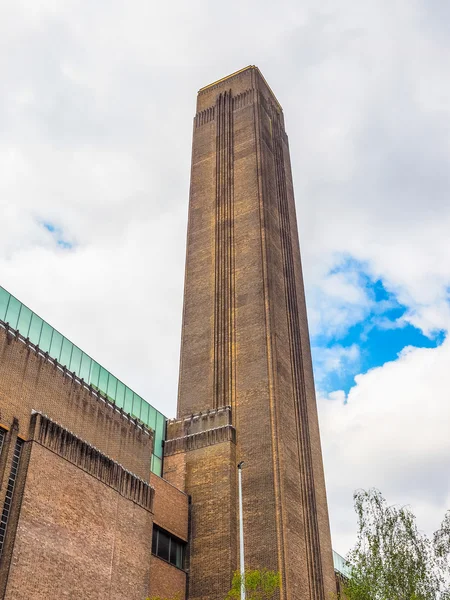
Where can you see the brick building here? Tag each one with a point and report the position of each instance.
(101, 496)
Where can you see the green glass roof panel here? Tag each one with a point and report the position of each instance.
(49, 340)
(341, 565)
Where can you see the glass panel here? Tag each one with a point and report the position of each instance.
(152, 418)
(144, 411)
(154, 540)
(55, 346)
(159, 434)
(120, 394)
(66, 353)
(137, 402)
(46, 337)
(75, 361)
(95, 372)
(128, 406)
(12, 314)
(35, 329)
(163, 545)
(23, 324)
(4, 300)
(59, 347)
(173, 552)
(103, 380)
(112, 386)
(85, 366)
(156, 465)
(179, 558)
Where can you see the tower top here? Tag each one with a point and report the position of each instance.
(251, 74)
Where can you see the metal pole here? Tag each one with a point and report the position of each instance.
(241, 533)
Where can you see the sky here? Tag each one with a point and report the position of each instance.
(96, 108)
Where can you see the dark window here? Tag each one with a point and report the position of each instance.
(9, 492)
(2, 438)
(163, 545)
(173, 554)
(167, 547)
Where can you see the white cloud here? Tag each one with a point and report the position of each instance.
(335, 360)
(391, 434)
(338, 301)
(96, 102)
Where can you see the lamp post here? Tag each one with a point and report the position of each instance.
(241, 533)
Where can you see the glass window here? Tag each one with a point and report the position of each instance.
(46, 337)
(159, 433)
(4, 301)
(144, 412)
(103, 380)
(75, 360)
(120, 394)
(55, 346)
(152, 418)
(156, 465)
(23, 324)
(137, 401)
(167, 547)
(12, 314)
(66, 353)
(95, 373)
(128, 406)
(35, 329)
(112, 387)
(85, 367)
(173, 552)
(163, 545)
(179, 556)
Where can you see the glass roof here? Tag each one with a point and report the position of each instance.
(341, 565)
(31, 326)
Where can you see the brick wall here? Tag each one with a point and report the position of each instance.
(30, 382)
(75, 532)
(207, 444)
(213, 551)
(76, 536)
(166, 580)
(245, 342)
(170, 507)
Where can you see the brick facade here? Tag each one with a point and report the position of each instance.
(167, 581)
(84, 500)
(76, 535)
(208, 444)
(245, 345)
(30, 381)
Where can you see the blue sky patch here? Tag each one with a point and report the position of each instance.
(371, 342)
(57, 235)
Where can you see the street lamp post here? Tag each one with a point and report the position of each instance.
(241, 533)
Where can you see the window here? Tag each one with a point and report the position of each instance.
(2, 438)
(168, 547)
(10, 492)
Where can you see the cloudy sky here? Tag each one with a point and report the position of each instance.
(96, 107)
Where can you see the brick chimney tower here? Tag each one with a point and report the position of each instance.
(246, 389)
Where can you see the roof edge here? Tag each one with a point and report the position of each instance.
(248, 68)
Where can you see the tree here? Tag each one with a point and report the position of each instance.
(259, 585)
(392, 559)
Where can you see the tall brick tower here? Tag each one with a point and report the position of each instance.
(246, 389)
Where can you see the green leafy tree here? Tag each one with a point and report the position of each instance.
(259, 585)
(392, 559)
